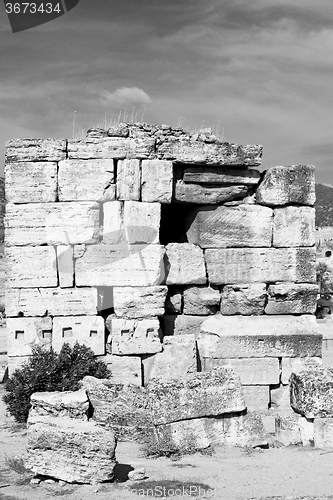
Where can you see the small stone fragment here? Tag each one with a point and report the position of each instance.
(137, 474)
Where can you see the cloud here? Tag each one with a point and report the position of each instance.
(126, 96)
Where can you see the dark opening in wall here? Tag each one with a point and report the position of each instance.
(105, 301)
(328, 253)
(173, 222)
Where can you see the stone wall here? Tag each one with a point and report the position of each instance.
(167, 253)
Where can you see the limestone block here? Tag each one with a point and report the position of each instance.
(31, 182)
(186, 434)
(182, 324)
(244, 299)
(132, 336)
(306, 427)
(157, 181)
(83, 180)
(201, 300)
(280, 396)
(195, 193)
(117, 148)
(70, 450)
(256, 397)
(52, 223)
(284, 185)
(25, 333)
(294, 227)
(221, 175)
(113, 230)
(323, 432)
(174, 301)
(237, 430)
(128, 180)
(16, 363)
(127, 265)
(179, 357)
(139, 302)
(65, 265)
(252, 371)
(184, 264)
(35, 150)
(31, 267)
(88, 330)
(296, 365)
(239, 226)
(186, 150)
(73, 404)
(288, 429)
(52, 301)
(253, 265)
(292, 298)
(311, 392)
(195, 395)
(142, 222)
(124, 369)
(259, 337)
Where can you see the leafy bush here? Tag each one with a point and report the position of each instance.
(48, 371)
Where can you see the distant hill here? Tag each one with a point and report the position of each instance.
(324, 205)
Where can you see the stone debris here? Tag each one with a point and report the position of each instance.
(137, 474)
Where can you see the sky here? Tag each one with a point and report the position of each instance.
(257, 71)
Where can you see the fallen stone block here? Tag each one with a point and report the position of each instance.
(292, 298)
(296, 365)
(284, 185)
(224, 227)
(117, 148)
(194, 193)
(134, 336)
(139, 302)
(31, 182)
(157, 181)
(184, 264)
(252, 371)
(88, 330)
(65, 265)
(71, 404)
(256, 397)
(124, 369)
(22, 150)
(30, 267)
(237, 430)
(288, 429)
(323, 432)
(247, 300)
(311, 392)
(294, 227)
(128, 180)
(201, 300)
(221, 175)
(181, 324)
(25, 333)
(186, 435)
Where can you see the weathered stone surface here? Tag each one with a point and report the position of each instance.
(195, 395)
(156, 181)
(311, 392)
(16, 363)
(65, 265)
(72, 404)
(288, 429)
(113, 223)
(306, 428)
(118, 148)
(323, 432)
(296, 365)
(252, 371)
(174, 301)
(137, 474)
(256, 397)
(35, 150)
(194, 193)
(83, 180)
(224, 227)
(244, 299)
(292, 298)
(111, 265)
(31, 267)
(53, 301)
(259, 337)
(280, 396)
(179, 357)
(185, 150)
(24, 333)
(52, 223)
(253, 265)
(139, 302)
(184, 264)
(31, 182)
(128, 180)
(237, 430)
(221, 175)
(88, 330)
(182, 324)
(132, 336)
(142, 222)
(201, 300)
(284, 185)
(124, 369)
(70, 450)
(186, 434)
(294, 227)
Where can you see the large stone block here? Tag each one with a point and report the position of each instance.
(31, 267)
(288, 429)
(65, 265)
(284, 185)
(201, 300)
(117, 148)
(35, 150)
(311, 392)
(25, 333)
(184, 264)
(52, 223)
(73, 404)
(253, 265)
(139, 302)
(132, 336)
(181, 324)
(157, 181)
(185, 435)
(323, 432)
(256, 397)
(179, 357)
(142, 222)
(53, 301)
(196, 395)
(221, 175)
(31, 182)
(294, 227)
(83, 180)
(292, 298)
(252, 371)
(113, 223)
(194, 193)
(88, 330)
(244, 299)
(124, 369)
(128, 180)
(259, 337)
(224, 227)
(122, 265)
(237, 430)
(296, 365)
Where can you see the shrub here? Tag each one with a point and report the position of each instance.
(48, 371)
